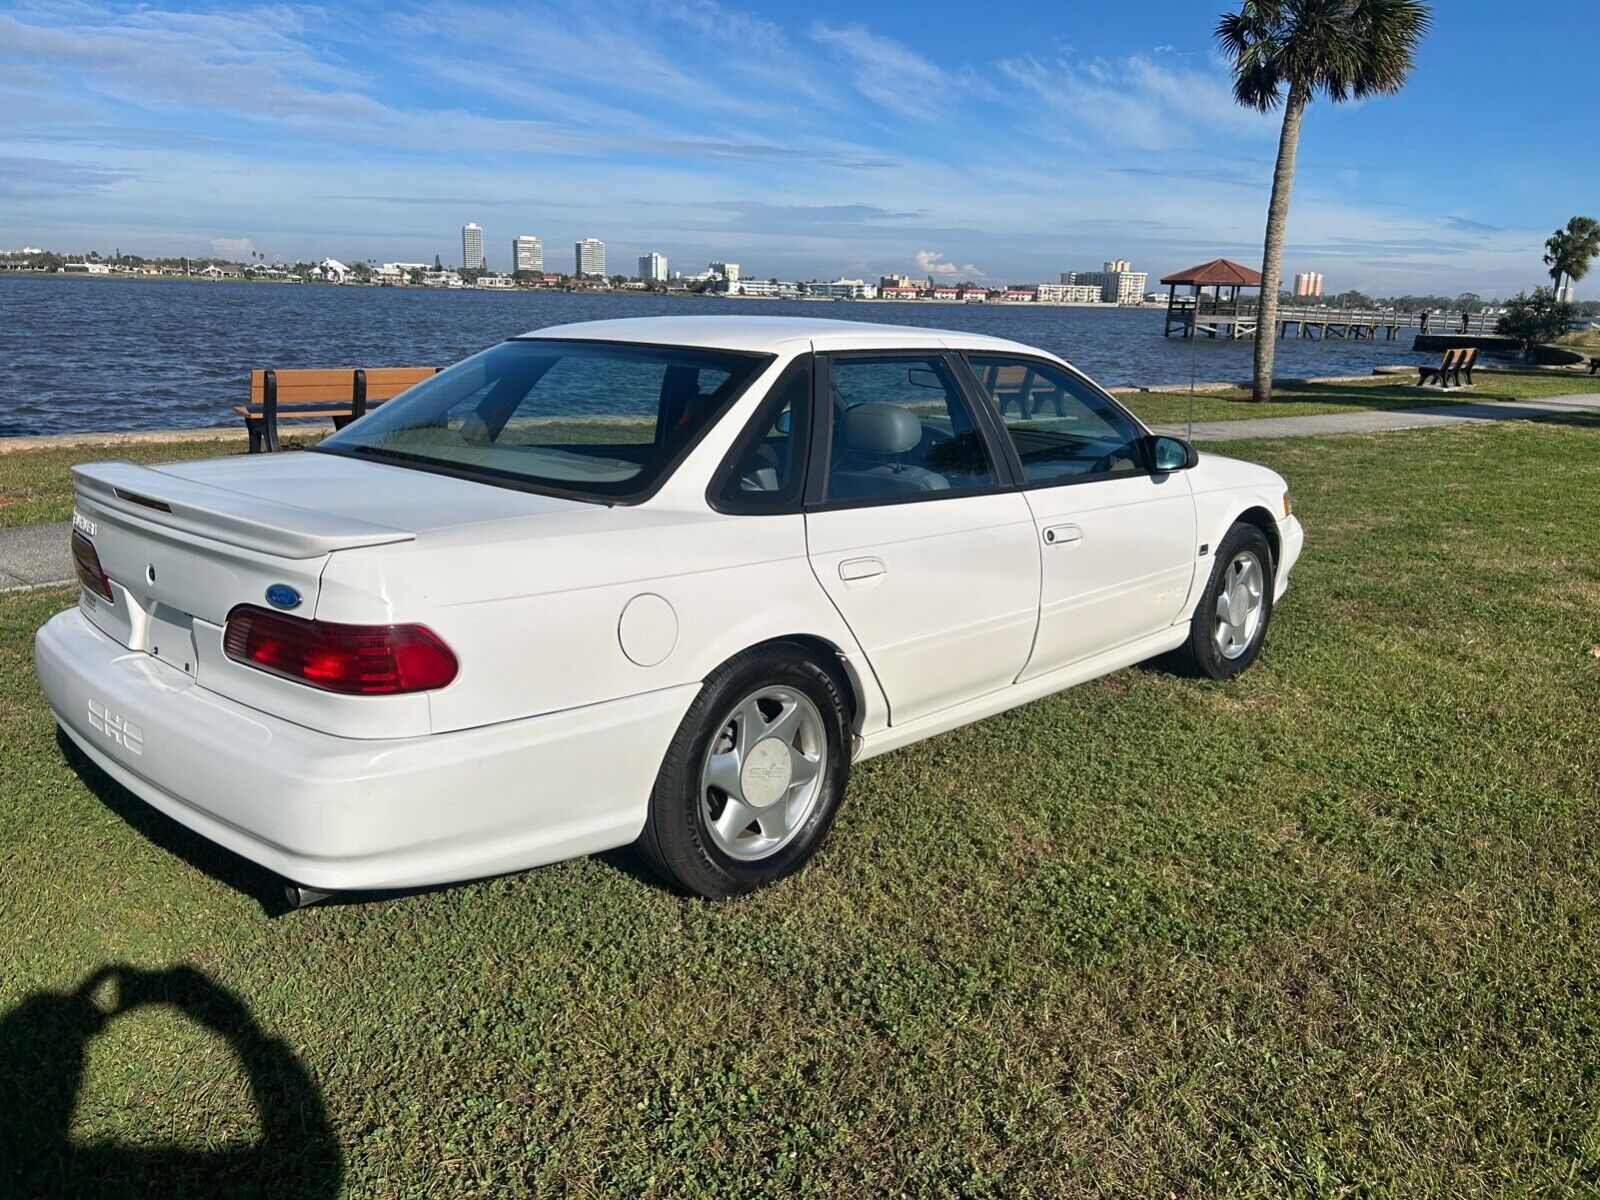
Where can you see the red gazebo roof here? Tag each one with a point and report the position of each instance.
(1222, 271)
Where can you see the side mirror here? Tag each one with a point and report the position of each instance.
(1172, 454)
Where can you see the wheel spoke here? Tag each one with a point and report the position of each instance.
(1225, 607)
(751, 724)
(803, 768)
(735, 819)
(773, 820)
(787, 724)
(722, 773)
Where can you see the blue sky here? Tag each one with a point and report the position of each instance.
(1007, 141)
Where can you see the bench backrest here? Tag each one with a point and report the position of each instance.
(308, 385)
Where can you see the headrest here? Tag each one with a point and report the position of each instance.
(878, 429)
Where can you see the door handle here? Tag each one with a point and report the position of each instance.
(1054, 535)
(853, 570)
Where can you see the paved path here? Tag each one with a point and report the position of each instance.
(1383, 420)
(34, 555)
(31, 555)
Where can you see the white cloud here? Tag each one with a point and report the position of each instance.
(888, 72)
(234, 248)
(932, 262)
(1134, 103)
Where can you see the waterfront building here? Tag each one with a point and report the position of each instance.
(771, 288)
(896, 281)
(589, 257)
(1118, 282)
(527, 253)
(1067, 293)
(1308, 283)
(726, 271)
(653, 267)
(472, 247)
(946, 291)
(496, 283)
(845, 289)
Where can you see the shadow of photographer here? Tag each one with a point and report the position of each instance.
(44, 1043)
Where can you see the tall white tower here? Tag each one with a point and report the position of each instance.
(589, 256)
(472, 247)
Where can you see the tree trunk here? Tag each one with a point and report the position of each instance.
(1272, 254)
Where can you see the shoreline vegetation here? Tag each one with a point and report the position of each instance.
(36, 483)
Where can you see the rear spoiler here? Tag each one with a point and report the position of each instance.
(268, 526)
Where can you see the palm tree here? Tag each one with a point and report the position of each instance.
(1286, 52)
(1568, 251)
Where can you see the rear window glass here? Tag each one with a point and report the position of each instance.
(585, 418)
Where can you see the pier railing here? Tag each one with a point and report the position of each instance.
(1228, 317)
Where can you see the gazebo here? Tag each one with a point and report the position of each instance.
(1197, 311)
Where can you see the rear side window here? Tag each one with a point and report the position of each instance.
(766, 469)
(1062, 428)
(594, 420)
(902, 429)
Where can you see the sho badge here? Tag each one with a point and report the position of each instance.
(281, 595)
(116, 729)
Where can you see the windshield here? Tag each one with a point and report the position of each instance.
(583, 418)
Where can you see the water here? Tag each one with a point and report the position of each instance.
(92, 354)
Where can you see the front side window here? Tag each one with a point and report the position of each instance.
(1062, 428)
(590, 419)
(902, 428)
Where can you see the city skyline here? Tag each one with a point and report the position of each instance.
(939, 142)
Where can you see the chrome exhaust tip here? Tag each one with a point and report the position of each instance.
(299, 896)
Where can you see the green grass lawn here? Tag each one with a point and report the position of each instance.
(1328, 930)
(1311, 399)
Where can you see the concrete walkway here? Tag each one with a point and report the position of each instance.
(1384, 420)
(37, 555)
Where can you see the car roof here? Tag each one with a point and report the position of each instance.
(773, 334)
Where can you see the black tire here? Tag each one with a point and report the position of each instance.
(1200, 655)
(675, 842)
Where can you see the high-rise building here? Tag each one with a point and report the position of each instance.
(472, 247)
(653, 267)
(527, 253)
(589, 257)
(1119, 283)
(1564, 294)
(728, 271)
(1308, 283)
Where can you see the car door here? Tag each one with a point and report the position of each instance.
(916, 531)
(1118, 539)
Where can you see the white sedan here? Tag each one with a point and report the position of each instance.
(643, 581)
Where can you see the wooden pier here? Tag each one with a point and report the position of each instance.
(1235, 316)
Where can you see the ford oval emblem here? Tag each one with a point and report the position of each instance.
(281, 595)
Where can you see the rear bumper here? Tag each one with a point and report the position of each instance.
(342, 813)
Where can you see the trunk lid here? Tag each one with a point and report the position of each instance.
(180, 552)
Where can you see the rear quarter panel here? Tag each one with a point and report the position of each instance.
(534, 614)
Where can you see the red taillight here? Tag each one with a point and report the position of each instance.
(87, 564)
(360, 660)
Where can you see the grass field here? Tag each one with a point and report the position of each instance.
(1329, 930)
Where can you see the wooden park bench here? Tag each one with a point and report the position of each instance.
(1023, 387)
(338, 394)
(1453, 365)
